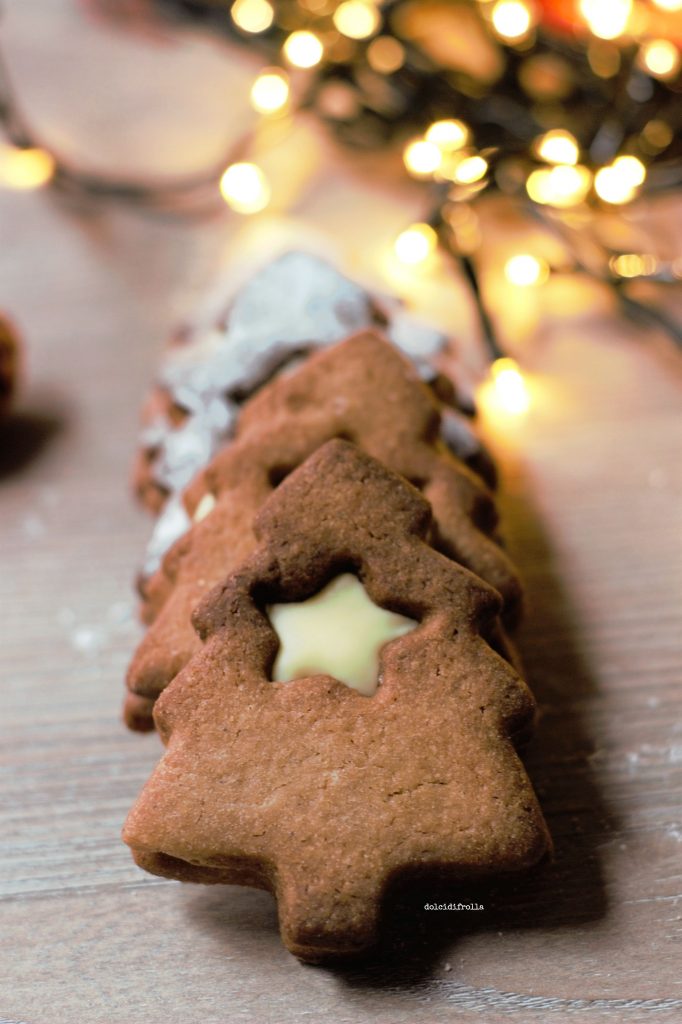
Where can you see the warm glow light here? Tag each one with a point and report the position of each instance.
(303, 49)
(245, 188)
(560, 186)
(357, 19)
(661, 58)
(24, 168)
(618, 183)
(252, 15)
(448, 135)
(270, 91)
(668, 5)
(416, 244)
(558, 147)
(632, 168)
(525, 270)
(509, 391)
(632, 264)
(422, 158)
(511, 19)
(385, 54)
(471, 169)
(606, 19)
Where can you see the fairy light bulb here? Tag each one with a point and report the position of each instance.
(303, 49)
(558, 147)
(245, 188)
(512, 20)
(618, 183)
(606, 19)
(470, 170)
(525, 270)
(509, 392)
(25, 168)
(561, 186)
(422, 158)
(252, 15)
(270, 92)
(632, 264)
(668, 5)
(357, 19)
(660, 58)
(448, 135)
(416, 244)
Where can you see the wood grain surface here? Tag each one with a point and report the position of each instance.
(592, 510)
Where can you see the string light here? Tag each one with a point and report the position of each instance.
(561, 186)
(632, 264)
(385, 55)
(422, 158)
(509, 392)
(303, 49)
(448, 135)
(357, 19)
(525, 270)
(252, 15)
(558, 147)
(606, 19)
(618, 183)
(24, 168)
(270, 91)
(661, 58)
(245, 188)
(416, 244)
(471, 169)
(511, 19)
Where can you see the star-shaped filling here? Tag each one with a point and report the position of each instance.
(338, 632)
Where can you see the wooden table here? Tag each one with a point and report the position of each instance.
(591, 503)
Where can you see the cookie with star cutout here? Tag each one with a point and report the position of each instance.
(364, 390)
(324, 771)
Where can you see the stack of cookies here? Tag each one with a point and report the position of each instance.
(327, 659)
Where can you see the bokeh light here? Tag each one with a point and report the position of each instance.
(660, 58)
(270, 91)
(512, 19)
(558, 147)
(24, 168)
(416, 244)
(422, 158)
(252, 15)
(448, 135)
(245, 188)
(303, 49)
(561, 186)
(525, 270)
(357, 19)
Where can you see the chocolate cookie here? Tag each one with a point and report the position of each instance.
(362, 390)
(307, 786)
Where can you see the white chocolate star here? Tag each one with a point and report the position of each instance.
(337, 632)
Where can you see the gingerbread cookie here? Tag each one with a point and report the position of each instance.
(324, 791)
(363, 390)
(292, 306)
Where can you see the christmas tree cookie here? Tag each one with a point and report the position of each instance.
(386, 749)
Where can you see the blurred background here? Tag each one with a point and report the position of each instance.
(511, 171)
